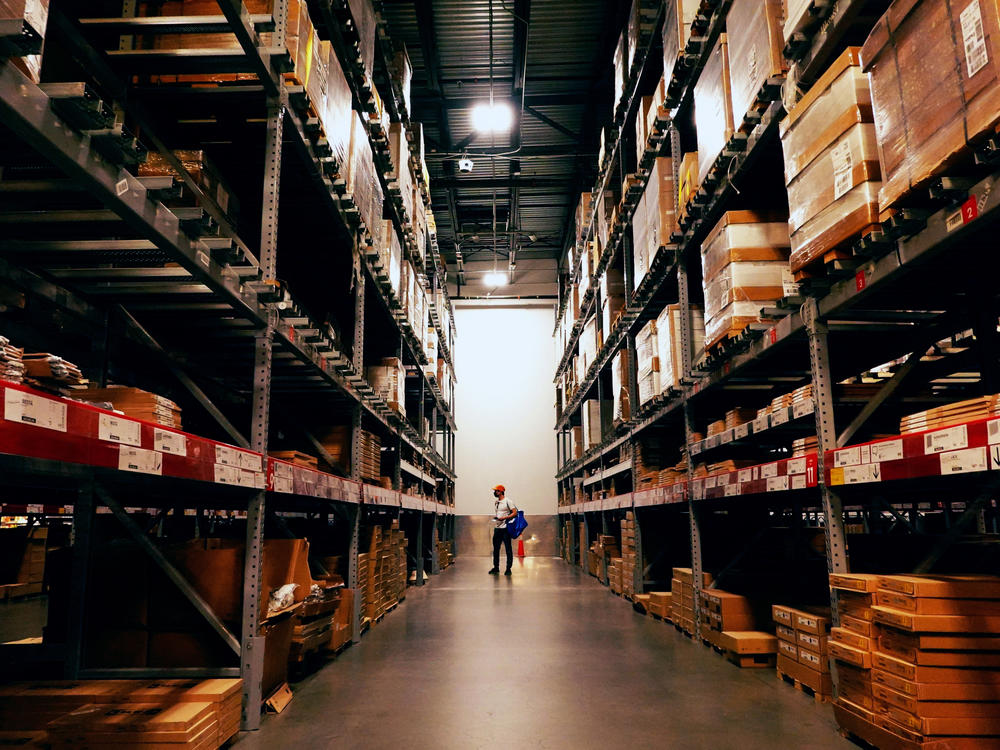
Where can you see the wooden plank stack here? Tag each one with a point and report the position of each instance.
(739, 415)
(296, 457)
(951, 414)
(803, 647)
(49, 371)
(934, 664)
(11, 361)
(175, 713)
(630, 554)
(135, 403)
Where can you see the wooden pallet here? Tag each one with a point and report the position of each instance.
(817, 696)
(769, 93)
(751, 661)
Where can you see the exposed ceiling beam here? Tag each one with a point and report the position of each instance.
(551, 123)
(489, 183)
(522, 24)
(553, 151)
(567, 99)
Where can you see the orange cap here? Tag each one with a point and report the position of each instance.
(500, 488)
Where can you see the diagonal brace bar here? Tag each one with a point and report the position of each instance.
(169, 570)
(957, 530)
(885, 393)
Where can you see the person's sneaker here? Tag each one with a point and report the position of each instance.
(507, 572)
(494, 571)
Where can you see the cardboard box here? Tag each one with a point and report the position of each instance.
(812, 642)
(812, 620)
(820, 682)
(754, 31)
(845, 653)
(936, 623)
(785, 633)
(850, 638)
(934, 691)
(919, 673)
(749, 642)
(713, 108)
(934, 76)
(680, 15)
(931, 606)
(859, 582)
(962, 587)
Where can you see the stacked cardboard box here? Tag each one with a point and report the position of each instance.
(748, 648)
(604, 549)
(621, 387)
(388, 378)
(362, 182)
(655, 218)
(739, 415)
(660, 604)
(745, 267)
(852, 642)
(934, 80)
(682, 598)
(680, 14)
(669, 351)
(630, 554)
(616, 576)
(50, 371)
(596, 417)
(951, 414)
(723, 611)
(385, 584)
(804, 446)
(32, 17)
(831, 163)
(650, 459)
(446, 557)
(755, 44)
(803, 635)
(135, 403)
(688, 181)
(650, 110)
(713, 108)
(371, 456)
(647, 362)
(365, 586)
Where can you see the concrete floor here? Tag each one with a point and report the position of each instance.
(23, 618)
(548, 658)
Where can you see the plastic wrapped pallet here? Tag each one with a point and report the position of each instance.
(647, 362)
(362, 181)
(399, 150)
(583, 216)
(668, 343)
(713, 108)
(736, 290)
(394, 255)
(612, 298)
(659, 215)
(363, 15)
(832, 166)
(388, 378)
(754, 30)
(797, 16)
(595, 419)
(403, 74)
(934, 69)
(621, 387)
(680, 14)
(338, 115)
(620, 64)
(641, 241)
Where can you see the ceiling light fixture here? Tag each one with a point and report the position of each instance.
(495, 117)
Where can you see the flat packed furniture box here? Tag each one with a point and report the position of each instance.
(744, 268)
(654, 219)
(832, 166)
(713, 108)
(669, 351)
(754, 31)
(934, 69)
(680, 14)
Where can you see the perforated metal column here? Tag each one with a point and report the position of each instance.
(352, 570)
(83, 521)
(419, 553)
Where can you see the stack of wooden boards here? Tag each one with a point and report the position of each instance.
(50, 372)
(11, 361)
(296, 457)
(951, 414)
(803, 638)
(179, 713)
(336, 441)
(388, 378)
(23, 574)
(135, 403)
(926, 669)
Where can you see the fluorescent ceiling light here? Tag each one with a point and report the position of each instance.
(495, 279)
(492, 118)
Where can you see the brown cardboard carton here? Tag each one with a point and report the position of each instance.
(937, 623)
(749, 642)
(963, 587)
(931, 606)
(754, 31)
(713, 107)
(936, 691)
(919, 673)
(850, 638)
(859, 582)
(820, 682)
(843, 652)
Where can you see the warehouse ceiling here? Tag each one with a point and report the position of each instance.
(551, 62)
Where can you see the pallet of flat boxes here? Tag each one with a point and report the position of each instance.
(803, 648)
(386, 584)
(615, 575)
(602, 552)
(744, 269)
(629, 555)
(135, 403)
(682, 598)
(175, 713)
(660, 605)
(951, 414)
(445, 555)
(388, 379)
(934, 664)
(11, 361)
(728, 624)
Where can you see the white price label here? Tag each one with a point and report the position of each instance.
(226, 474)
(227, 456)
(283, 470)
(173, 443)
(802, 408)
(742, 431)
(710, 483)
(779, 417)
(251, 462)
(843, 168)
(118, 430)
(38, 411)
(847, 457)
(723, 480)
(768, 470)
(777, 484)
(798, 482)
(35, 508)
(951, 439)
(745, 475)
(732, 490)
(140, 460)
(246, 478)
(974, 39)
(862, 474)
(993, 431)
(726, 437)
(760, 424)
(963, 461)
(796, 466)
(891, 450)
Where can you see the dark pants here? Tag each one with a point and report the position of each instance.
(501, 535)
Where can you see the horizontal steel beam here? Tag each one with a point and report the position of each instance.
(560, 184)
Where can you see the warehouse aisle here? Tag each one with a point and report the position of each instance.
(545, 659)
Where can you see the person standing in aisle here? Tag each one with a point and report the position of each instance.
(503, 512)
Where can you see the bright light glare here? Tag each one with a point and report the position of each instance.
(495, 278)
(492, 118)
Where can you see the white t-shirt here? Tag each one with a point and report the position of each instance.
(503, 509)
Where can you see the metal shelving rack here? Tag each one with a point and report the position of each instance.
(189, 270)
(904, 293)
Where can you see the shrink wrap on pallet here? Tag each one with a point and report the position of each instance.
(855, 210)
(679, 16)
(934, 68)
(668, 343)
(33, 15)
(797, 15)
(338, 115)
(754, 30)
(362, 180)
(399, 151)
(744, 236)
(647, 362)
(713, 107)
(620, 387)
(363, 15)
